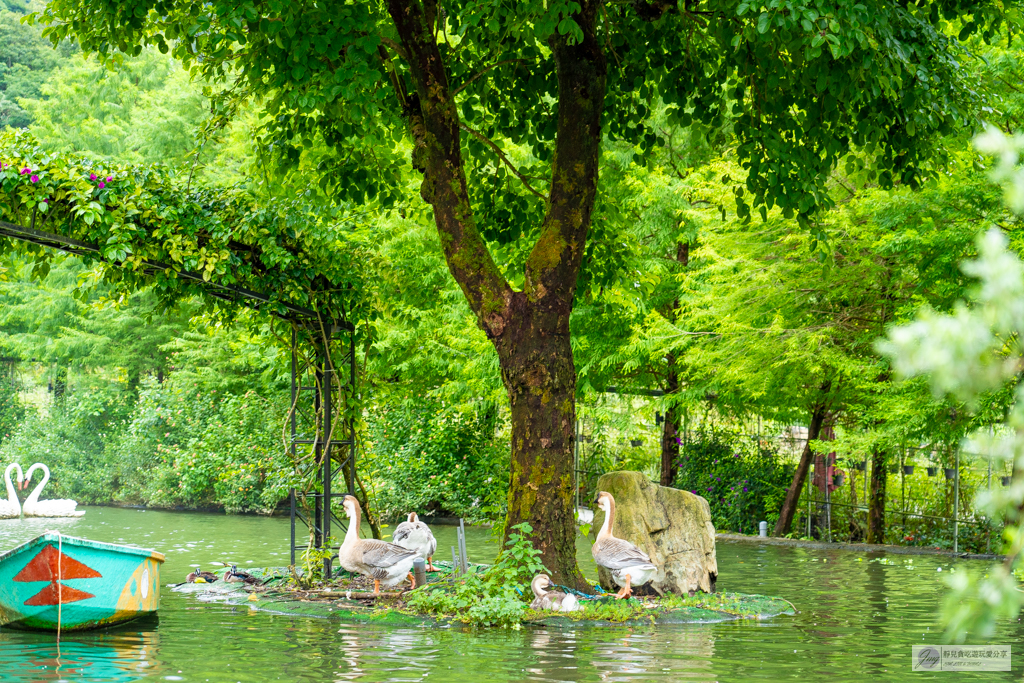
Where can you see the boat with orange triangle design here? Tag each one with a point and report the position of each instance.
(76, 583)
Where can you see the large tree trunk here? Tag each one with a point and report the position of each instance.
(785, 523)
(876, 498)
(540, 377)
(529, 328)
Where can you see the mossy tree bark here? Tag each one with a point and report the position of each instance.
(876, 497)
(788, 511)
(529, 328)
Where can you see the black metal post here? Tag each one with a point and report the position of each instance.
(318, 451)
(291, 443)
(291, 499)
(350, 470)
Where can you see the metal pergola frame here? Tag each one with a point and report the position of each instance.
(331, 456)
(325, 373)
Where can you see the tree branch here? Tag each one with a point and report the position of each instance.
(501, 155)
(553, 265)
(484, 71)
(434, 123)
(394, 46)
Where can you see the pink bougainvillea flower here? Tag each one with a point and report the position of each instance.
(109, 178)
(34, 179)
(92, 176)
(101, 185)
(25, 170)
(46, 201)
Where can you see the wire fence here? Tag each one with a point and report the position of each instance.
(930, 490)
(912, 513)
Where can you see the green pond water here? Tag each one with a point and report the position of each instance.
(858, 617)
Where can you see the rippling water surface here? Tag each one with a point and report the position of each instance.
(858, 617)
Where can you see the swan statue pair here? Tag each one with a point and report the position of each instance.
(34, 507)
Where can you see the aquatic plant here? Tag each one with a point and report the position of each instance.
(497, 597)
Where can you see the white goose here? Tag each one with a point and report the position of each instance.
(386, 563)
(627, 563)
(34, 507)
(11, 508)
(416, 535)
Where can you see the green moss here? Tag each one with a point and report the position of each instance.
(672, 609)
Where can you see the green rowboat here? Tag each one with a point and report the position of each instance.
(77, 583)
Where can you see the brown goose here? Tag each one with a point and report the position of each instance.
(386, 563)
(627, 563)
(554, 601)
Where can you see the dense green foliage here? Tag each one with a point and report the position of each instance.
(801, 83)
(969, 353)
(742, 480)
(26, 61)
(424, 457)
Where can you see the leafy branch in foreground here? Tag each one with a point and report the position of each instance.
(966, 353)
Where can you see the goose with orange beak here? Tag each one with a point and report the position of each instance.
(386, 563)
(628, 565)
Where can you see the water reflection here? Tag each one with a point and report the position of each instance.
(113, 658)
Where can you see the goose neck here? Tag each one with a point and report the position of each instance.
(609, 519)
(352, 535)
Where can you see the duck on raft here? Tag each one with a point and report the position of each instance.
(386, 563)
(416, 535)
(552, 601)
(232, 575)
(199, 576)
(629, 566)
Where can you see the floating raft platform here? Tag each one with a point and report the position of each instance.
(276, 597)
(76, 583)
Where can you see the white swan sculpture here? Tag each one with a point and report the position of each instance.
(11, 508)
(34, 507)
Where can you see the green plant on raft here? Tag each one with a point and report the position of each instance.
(498, 610)
(313, 561)
(617, 611)
(495, 598)
(518, 563)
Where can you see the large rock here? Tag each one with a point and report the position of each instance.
(672, 526)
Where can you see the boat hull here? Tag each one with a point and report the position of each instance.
(76, 583)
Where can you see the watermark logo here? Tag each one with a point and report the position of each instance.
(960, 658)
(926, 658)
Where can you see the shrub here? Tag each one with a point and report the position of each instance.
(744, 482)
(498, 597)
(186, 446)
(430, 458)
